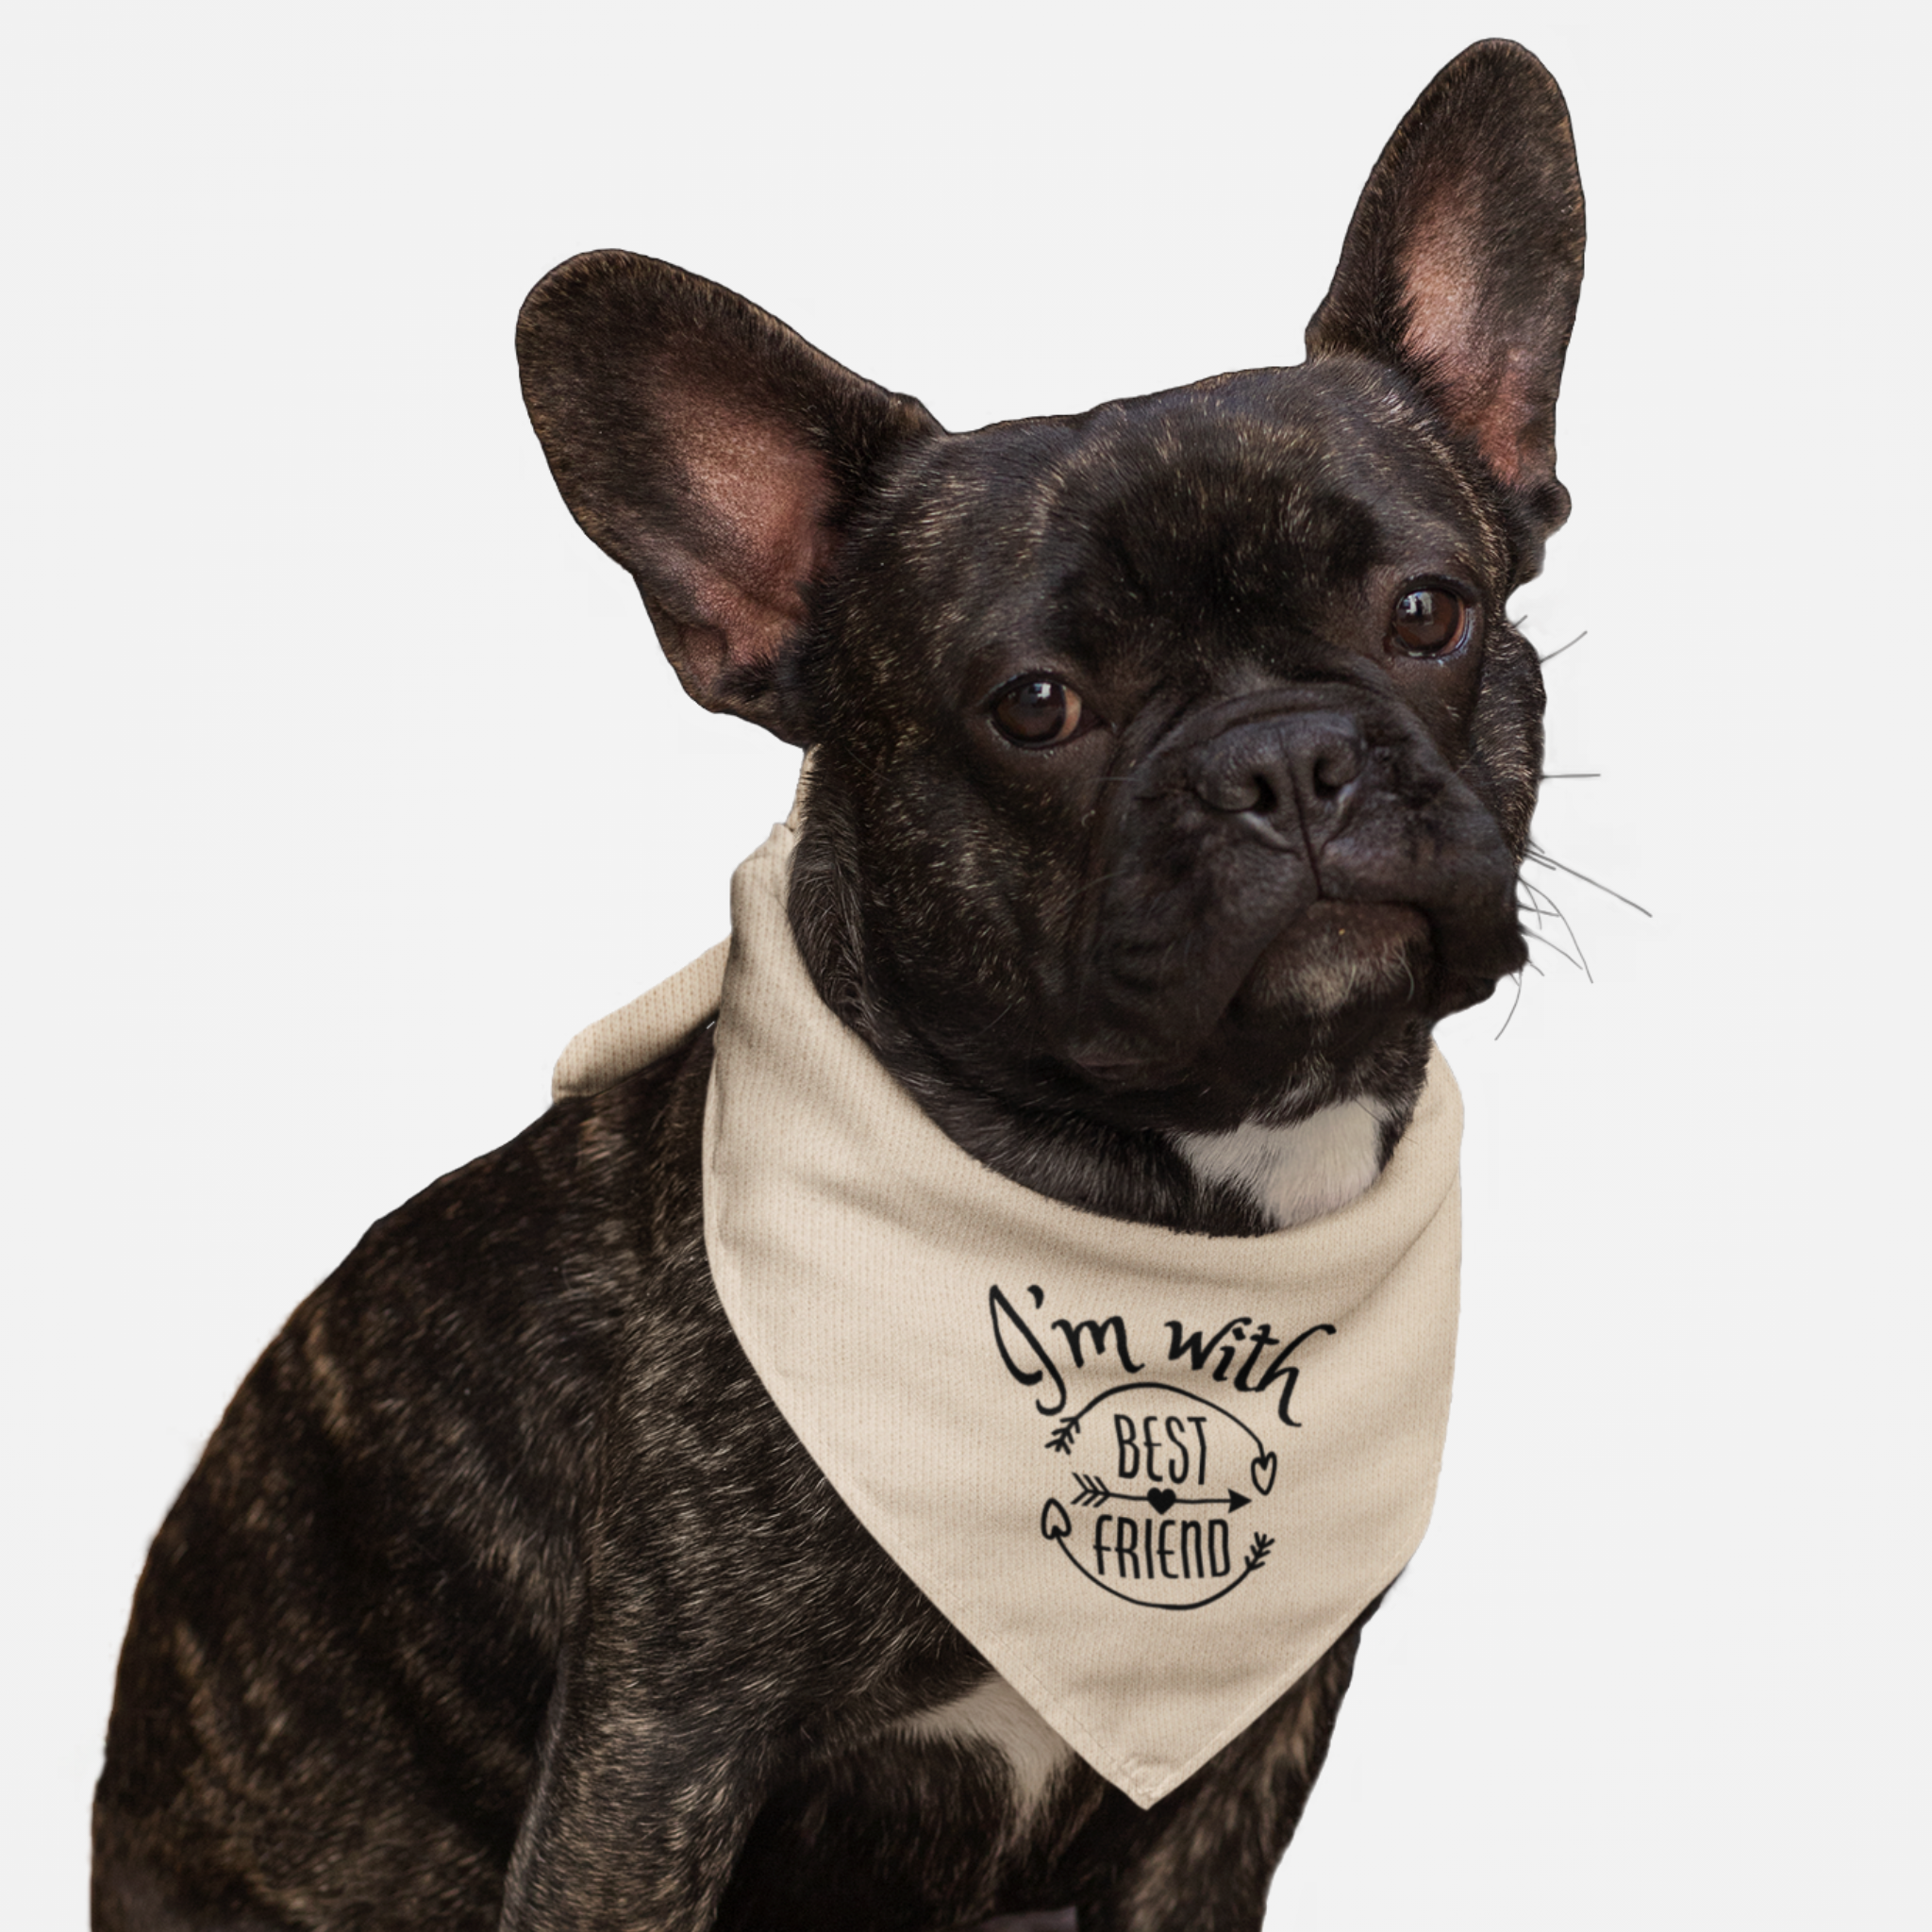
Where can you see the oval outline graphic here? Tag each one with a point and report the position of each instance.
(1057, 1526)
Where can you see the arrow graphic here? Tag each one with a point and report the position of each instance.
(1093, 1491)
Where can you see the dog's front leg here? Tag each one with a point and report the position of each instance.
(730, 1613)
(638, 1811)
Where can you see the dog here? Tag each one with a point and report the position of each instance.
(1171, 769)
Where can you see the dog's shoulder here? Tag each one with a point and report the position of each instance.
(454, 1368)
(503, 1285)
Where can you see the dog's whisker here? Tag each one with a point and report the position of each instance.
(1542, 857)
(1543, 940)
(1551, 656)
(1575, 940)
(1513, 1004)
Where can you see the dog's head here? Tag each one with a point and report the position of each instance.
(1172, 760)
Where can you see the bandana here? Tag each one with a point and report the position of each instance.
(1151, 1477)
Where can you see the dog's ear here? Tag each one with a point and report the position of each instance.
(713, 452)
(1462, 264)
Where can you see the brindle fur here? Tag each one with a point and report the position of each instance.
(503, 1595)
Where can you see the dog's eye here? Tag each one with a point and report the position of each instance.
(1429, 622)
(1036, 712)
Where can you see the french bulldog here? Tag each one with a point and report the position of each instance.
(1172, 765)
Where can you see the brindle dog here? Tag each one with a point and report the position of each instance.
(1173, 766)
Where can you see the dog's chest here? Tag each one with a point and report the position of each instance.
(994, 1715)
(961, 1815)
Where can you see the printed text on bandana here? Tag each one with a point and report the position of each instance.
(1159, 1444)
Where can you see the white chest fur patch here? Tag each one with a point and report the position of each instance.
(994, 1713)
(1299, 1172)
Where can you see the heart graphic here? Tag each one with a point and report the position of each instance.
(1054, 1522)
(1160, 1501)
(1262, 1469)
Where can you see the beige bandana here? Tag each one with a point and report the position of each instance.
(1151, 1477)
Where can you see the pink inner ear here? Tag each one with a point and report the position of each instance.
(1481, 378)
(760, 499)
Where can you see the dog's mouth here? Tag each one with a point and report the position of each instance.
(1375, 962)
(1339, 975)
(1332, 959)
(1336, 953)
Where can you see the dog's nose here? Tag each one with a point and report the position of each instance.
(1292, 777)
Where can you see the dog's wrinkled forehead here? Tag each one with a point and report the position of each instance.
(1195, 523)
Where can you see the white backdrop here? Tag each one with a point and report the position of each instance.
(326, 735)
